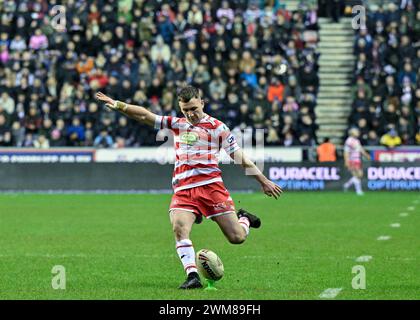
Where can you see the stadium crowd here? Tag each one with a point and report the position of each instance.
(386, 87)
(255, 63)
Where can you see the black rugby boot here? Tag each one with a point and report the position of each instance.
(192, 282)
(254, 221)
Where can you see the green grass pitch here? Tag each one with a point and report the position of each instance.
(122, 247)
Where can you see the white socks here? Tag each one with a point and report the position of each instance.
(349, 183)
(244, 222)
(357, 184)
(186, 253)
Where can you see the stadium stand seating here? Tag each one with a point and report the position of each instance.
(256, 65)
(386, 85)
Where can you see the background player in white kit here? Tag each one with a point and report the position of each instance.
(353, 152)
(197, 182)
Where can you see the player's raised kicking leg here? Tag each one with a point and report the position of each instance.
(236, 226)
(215, 202)
(182, 222)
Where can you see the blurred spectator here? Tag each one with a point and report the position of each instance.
(195, 16)
(6, 139)
(372, 139)
(18, 134)
(326, 151)
(225, 12)
(18, 44)
(289, 126)
(75, 133)
(58, 137)
(290, 105)
(124, 133)
(335, 9)
(407, 74)
(28, 142)
(85, 64)
(244, 119)
(249, 76)
(272, 136)
(309, 79)
(7, 103)
(3, 129)
(293, 88)
(160, 51)
(42, 142)
(38, 40)
(103, 140)
(33, 121)
(4, 54)
(289, 139)
(391, 139)
(217, 87)
(258, 118)
(275, 91)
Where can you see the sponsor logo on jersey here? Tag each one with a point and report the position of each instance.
(189, 138)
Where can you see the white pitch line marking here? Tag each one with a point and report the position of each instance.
(403, 214)
(383, 238)
(81, 255)
(395, 225)
(364, 258)
(410, 208)
(330, 293)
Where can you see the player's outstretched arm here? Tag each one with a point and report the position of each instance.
(137, 113)
(269, 188)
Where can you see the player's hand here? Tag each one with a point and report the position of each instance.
(110, 103)
(271, 189)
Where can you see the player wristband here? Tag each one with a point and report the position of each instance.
(119, 105)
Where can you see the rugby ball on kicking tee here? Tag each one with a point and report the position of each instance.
(209, 265)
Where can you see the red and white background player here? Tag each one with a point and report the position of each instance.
(353, 152)
(197, 182)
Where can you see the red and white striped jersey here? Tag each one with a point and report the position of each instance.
(197, 149)
(353, 147)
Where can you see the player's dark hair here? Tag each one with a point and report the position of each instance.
(187, 93)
